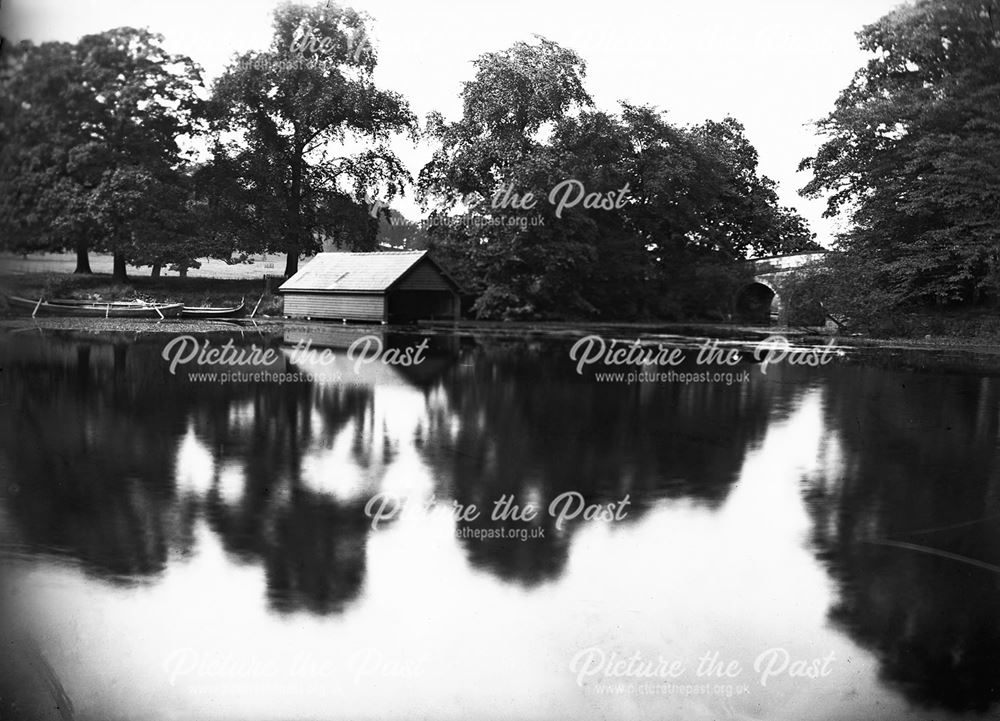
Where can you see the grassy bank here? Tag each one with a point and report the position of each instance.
(100, 286)
(961, 324)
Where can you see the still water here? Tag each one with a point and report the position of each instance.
(817, 543)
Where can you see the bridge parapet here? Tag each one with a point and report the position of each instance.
(778, 263)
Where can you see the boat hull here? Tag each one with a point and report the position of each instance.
(210, 312)
(82, 309)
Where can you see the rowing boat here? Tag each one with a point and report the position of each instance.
(207, 311)
(97, 309)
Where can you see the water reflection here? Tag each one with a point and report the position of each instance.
(264, 462)
(569, 433)
(755, 518)
(911, 476)
(89, 452)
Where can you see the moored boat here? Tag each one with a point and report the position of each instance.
(207, 311)
(98, 309)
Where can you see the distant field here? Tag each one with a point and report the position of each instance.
(101, 263)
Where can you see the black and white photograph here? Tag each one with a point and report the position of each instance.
(371, 360)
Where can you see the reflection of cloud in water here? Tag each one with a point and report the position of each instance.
(386, 432)
(198, 472)
(768, 488)
(194, 465)
(329, 367)
(241, 415)
(232, 482)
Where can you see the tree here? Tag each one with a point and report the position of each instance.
(912, 154)
(181, 226)
(287, 121)
(91, 140)
(38, 96)
(844, 288)
(745, 219)
(516, 96)
(647, 201)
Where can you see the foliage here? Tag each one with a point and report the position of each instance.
(844, 287)
(300, 157)
(703, 289)
(90, 142)
(302, 137)
(913, 154)
(671, 208)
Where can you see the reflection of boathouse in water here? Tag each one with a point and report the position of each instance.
(385, 287)
(326, 354)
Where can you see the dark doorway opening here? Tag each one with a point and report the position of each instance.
(407, 306)
(753, 304)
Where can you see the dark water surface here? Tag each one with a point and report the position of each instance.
(185, 549)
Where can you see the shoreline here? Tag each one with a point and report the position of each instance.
(499, 330)
(259, 292)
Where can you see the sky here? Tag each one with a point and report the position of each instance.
(777, 66)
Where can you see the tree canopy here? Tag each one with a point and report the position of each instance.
(543, 204)
(573, 210)
(912, 155)
(302, 136)
(91, 135)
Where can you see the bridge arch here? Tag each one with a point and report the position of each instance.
(758, 302)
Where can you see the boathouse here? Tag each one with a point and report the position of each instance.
(383, 286)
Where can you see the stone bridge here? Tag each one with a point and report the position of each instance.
(760, 301)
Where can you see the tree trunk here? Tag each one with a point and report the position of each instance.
(293, 241)
(119, 275)
(155, 273)
(183, 271)
(82, 258)
(291, 264)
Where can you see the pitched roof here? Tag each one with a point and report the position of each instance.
(353, 272)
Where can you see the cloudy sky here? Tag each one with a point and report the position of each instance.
(776, 65)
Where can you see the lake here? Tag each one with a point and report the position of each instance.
(489, 534)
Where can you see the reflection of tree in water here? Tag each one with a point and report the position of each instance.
(103, 464)
(528, 425)
(312, 546)
(92, 467)
(91, 443)
(920, 466)
(315, 557)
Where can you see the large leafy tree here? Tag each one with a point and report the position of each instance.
(38, 94)
(669, 197)
(303, 136)
(912, 154)
(516, 97)
(90, 136)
